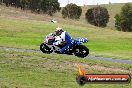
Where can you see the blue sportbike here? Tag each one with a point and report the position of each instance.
(77, 48)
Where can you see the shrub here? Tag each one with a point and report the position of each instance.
(72, 11)
(123, 20)
(97, 16)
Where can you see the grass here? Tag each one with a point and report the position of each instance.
(30, 34)
(31, 70)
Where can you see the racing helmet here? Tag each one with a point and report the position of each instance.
(58, 31)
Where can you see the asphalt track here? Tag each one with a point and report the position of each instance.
(88, 57)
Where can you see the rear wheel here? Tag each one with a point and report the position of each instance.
(81, 51)
(45, 49)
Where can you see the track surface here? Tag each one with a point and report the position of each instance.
(88, 57)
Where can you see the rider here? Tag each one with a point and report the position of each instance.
(62, 37)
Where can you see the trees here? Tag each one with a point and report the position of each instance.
(0, 1)
(72, 11)
(50, 6)
(46, 6)
(35, 5)
(97, 16)
(123, 20)
(23, 4)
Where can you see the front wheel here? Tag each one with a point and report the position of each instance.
(45, 49)
(81, 51)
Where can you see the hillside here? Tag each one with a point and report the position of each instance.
(24, 66)
(17, 13)
(103, 41)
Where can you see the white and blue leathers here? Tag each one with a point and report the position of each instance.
(64, 37)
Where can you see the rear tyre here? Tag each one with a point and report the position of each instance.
(45, 49)
(81, 51)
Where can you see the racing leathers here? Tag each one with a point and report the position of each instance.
(64, 37)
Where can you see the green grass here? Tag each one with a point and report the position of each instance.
(30, 34)
(31, 70)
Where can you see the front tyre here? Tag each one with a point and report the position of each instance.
(81, 51)
(45, 49)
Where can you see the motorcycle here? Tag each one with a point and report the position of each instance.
(77, 49)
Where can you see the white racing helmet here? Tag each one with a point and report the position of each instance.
(58, 31)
